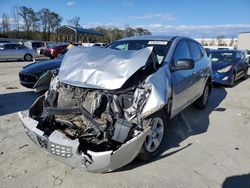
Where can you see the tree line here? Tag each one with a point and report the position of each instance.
(25, 23)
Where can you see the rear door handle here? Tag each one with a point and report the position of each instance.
(193, 73)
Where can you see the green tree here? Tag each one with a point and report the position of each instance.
(5, 23)
(30, 19)
(74, 22)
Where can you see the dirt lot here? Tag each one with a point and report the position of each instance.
(209, 148)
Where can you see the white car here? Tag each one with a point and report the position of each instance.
(11, 51)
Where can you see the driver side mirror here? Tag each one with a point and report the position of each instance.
(183, 64)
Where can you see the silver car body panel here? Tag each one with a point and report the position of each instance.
(101, 68)
(66, 150)
(160, 91)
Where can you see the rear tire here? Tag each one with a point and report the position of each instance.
(154, 142)
(28, 57)
(202, 101)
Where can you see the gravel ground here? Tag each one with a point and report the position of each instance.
(209, 148)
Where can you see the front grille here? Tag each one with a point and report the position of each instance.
(27, 78)
(53, 148)
(30, 135)
(60, 150)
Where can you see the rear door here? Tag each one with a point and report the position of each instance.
(200, 68)
(21, 51)
(182, 80)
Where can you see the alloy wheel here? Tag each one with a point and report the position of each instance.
(154, 139)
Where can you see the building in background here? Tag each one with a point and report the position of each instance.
(220, 41)
(244, 41)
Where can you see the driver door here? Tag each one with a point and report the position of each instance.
(182, 80)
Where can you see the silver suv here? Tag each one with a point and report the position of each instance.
(109, 105)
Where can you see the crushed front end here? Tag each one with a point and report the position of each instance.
(96, 129)
(91, 129)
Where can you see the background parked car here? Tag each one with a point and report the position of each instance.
(53, 51)
(31, 73)
(10, 51)
(228, 66)
(34, 44)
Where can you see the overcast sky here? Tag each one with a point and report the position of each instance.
(196, 18)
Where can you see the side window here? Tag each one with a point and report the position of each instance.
(21, 47)
(14, 46)
(8, 46)
(195, 51)
(181, 51)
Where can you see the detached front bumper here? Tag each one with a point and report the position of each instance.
(66, 149)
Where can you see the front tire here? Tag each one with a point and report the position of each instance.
(28, 57)
(154, 141)
(202, 101)
(232, 82)
(245, 74)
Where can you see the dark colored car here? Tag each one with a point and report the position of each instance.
(228, 66)
(54, 50)
(248, 56)
(31, 73)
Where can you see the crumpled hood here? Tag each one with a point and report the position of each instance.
(101, 68)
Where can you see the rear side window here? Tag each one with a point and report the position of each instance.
(203, 52)
(195, 50)
(181, 51)
(37, 44)
(9, 46)
(21, 47)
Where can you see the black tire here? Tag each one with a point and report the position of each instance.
(232, 82)
(150, 149)
(245, 74)
(202, 101)
(28, 57)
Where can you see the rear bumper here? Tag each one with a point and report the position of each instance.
(66, 149)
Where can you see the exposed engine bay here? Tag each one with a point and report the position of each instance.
(99, 118)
